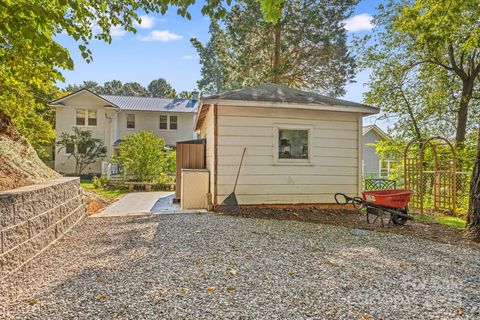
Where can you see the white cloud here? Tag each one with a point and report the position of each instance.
(360, 22)
(117, 31)
(188, 57)
(147, 22)
(162, 36)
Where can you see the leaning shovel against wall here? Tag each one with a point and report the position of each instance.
(230, 204)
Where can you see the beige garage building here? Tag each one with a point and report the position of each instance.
(301, 147)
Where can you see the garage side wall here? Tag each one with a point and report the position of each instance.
(207, 132)
(334, 165)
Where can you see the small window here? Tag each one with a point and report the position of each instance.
(80, 117)
(292, 144)
(92, 117)
(385, 168)
(69, 148)
(130, 121)
(173, 122)
(163, 122)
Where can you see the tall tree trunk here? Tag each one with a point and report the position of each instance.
(276, 56)
(473, 217)
(462, 115)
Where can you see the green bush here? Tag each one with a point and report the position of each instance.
(99, 182)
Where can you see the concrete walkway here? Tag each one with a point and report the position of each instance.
(144, 203)
(133, 204)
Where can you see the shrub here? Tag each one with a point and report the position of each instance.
(99, 182)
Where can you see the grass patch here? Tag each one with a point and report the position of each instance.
(453, 222)
(107, 193)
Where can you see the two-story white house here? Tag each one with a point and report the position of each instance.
(112, 117)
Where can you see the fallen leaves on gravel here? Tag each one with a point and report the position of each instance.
(32, 301)
(232, 272)
(102, 297)
(211, 289)
(231, 289)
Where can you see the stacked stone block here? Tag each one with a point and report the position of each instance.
(33, 217)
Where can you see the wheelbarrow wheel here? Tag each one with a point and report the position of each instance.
(398, 219)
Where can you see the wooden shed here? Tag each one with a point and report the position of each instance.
(301, 147)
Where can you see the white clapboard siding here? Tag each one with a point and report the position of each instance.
(258, 189)
(207, 132)
(281, 199)
(287, 170)
(250, 160)
(293, 179)
(269, 132)
(332, 168)
(280, 115)
(337, 151)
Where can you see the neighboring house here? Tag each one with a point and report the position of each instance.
(111, 118)
(372, 164)
(301, 148)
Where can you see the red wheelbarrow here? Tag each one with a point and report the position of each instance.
(378, 203)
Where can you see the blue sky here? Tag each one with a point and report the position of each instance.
(161, 49)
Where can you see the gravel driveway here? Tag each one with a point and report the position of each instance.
(208, 266)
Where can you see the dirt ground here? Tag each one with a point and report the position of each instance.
(350, 218)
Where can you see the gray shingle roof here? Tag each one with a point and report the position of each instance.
(152, 104)
(277, 93)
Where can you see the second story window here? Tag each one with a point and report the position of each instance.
(173, 122)
(163, 122)
(92, 117)
(86, 117)
(81, 117)
(130, 121)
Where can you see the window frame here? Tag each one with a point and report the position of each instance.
(86, 112)
(160, 121)
(134, 121)
(170, 122)
(276, 134)
(388, 168)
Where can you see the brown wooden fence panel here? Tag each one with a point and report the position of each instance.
(190, 155)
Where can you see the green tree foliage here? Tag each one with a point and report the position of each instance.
(134, 89)
(30, 57)
(144, 157)
(306, 48)
(425, 60)
(83, 147)
(161, 88)
(214, 77)
(113, 87)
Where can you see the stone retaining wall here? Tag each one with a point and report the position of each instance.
(33, 217)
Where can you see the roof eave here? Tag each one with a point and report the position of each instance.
(364, 109)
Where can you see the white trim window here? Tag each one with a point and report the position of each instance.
(130, 121)
(163, 122)
(293, 144)
(384, 167)
(86, 117)
(173, 123)
(168, 122)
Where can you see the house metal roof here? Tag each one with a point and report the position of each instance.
(152, 104)
(277, 93)
(137, 103)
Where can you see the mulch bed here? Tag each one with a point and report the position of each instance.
(350, 219)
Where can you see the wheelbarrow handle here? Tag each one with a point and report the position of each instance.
(357, 202)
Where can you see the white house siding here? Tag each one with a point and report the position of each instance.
(207, 132)
(335, 156)
(150, 121)
(66, 120)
